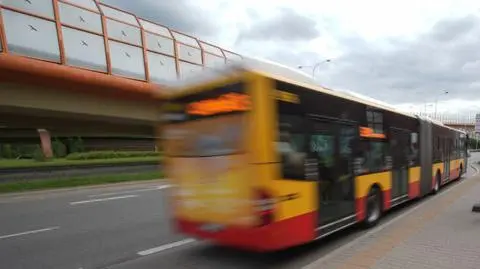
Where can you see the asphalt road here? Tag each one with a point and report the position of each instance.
(87, 228)
(127, 226)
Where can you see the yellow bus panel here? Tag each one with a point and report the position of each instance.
(365, 182)
(263, 120)
(296, 198)
(414, 174)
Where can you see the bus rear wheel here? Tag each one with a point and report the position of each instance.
(373, 207)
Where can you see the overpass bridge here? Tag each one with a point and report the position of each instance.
(84, 67)
(462, 122)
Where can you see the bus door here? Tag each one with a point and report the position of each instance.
(331, 147)
(399, 149)
(446, 160)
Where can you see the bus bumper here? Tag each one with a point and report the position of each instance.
(276, 236)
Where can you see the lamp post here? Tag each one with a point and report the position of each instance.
(425, 107)
(315, 66)
(436, 101)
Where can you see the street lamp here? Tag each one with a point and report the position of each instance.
(436, 101)
(425, 107)
(314, 66)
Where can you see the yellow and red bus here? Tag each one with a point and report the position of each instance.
(262, 158)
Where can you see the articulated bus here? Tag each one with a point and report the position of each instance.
(262, 158)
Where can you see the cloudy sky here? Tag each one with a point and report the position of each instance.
(406, 53)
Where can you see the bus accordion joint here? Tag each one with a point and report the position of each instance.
(230, 102)
(369, 133)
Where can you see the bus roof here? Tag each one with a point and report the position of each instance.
(284, 73)
(265, 67)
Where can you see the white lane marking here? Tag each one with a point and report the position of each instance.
(161, 187)
(316, 263)
(103, 199)
(165, 247)
(29, 232)
(476, 170)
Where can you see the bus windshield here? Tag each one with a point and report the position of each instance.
(207, 137)
(207, 123)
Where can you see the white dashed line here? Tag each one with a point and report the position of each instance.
(161, 187)
(476, 170)
(29, 232)
(103, 199)
(165, 247)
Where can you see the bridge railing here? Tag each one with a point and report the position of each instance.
(452, 119)
(90, 35)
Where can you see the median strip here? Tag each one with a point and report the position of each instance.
(31, 165)
(103, 199)
(69, 182)
(29, 232)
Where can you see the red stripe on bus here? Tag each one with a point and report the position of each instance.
(360, 208)
(454, 173)
(278, 235)
(413, 189)
(387, 199)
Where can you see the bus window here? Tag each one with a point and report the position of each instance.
(323, 146)
(291, 146)
(347, 143)
(372, 156)
(347, 140)
(375, 120)
(462, 147)
(413, 156)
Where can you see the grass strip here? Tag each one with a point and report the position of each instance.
(7, 163)
(68, 182)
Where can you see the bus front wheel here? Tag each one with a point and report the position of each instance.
(436, 186)
(373, 207)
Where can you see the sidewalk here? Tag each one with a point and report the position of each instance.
(441, 233)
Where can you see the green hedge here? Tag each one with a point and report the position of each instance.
(18, 151)
(473, 144)
(110, 155)
(60, 148)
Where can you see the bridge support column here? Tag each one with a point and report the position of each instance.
(46, 143)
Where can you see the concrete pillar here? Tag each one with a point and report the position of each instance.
(46, 143)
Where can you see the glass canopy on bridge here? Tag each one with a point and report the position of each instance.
(90, 35)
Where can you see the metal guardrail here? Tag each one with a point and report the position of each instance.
(87, 34)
